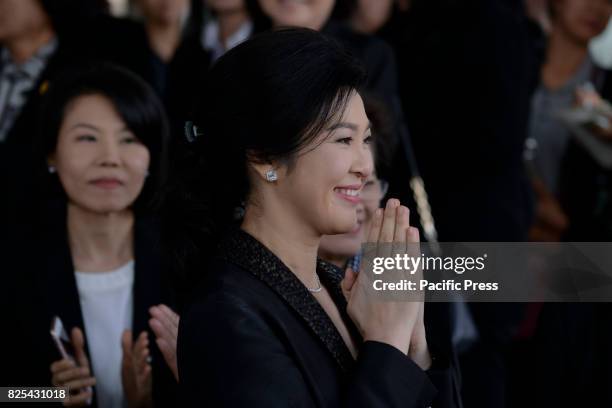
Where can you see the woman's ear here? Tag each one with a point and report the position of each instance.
(267, 171)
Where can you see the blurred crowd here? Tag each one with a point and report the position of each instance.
(493, 123)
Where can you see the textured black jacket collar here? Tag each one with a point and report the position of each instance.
(242, 249)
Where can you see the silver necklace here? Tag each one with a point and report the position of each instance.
(318, 288)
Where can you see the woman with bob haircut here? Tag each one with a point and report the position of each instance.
(97, 267)
(281, 153)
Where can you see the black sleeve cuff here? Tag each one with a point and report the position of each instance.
(386, 377)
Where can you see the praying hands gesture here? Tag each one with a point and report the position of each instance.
(397, 323)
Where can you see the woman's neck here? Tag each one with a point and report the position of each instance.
(295, 245)
(164, 39)
(229, 23)
(337, 260)
(100, 242)
(23, 48)
(565, 55)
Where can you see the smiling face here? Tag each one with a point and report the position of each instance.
(322, 187)
(582, 19)
(298, 13)
(340, 247)
(101, 165)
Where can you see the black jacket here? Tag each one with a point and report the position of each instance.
(257, 338)
(39, 283)
(19, 156)
(467, 70)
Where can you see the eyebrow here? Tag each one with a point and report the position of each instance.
(92, 127)
(84, 125)
(346, 125)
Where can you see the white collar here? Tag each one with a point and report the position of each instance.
(210, 37)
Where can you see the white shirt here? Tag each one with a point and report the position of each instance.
(210, 38)
(107, 303)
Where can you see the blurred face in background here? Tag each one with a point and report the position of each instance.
(311, 14)
(341, 247)
(101, 164)
(163, 12)
(225, 6)
(19, 18)
(581, 19)
(371, 15)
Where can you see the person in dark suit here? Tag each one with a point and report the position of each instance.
(39, 39)
(99, 266)
(281, 152)
(30, 56)
(176, 59)
(467, 73)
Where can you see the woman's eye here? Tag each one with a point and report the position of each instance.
(345, 140)
(86, 138)
(129, 140)
(368, 140)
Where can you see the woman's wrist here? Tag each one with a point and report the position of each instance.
(419, 353)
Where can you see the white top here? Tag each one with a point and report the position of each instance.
(107, 303)
(211, 42)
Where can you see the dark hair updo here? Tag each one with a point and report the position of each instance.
(266, 100)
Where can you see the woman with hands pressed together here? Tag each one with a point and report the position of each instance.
(98, 267)
(281, 154)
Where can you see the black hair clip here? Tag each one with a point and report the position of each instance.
(192, 132)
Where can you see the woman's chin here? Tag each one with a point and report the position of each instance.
(348, 229)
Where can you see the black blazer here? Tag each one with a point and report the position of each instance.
(41, 285)
(19, 162)
(467, 69)
(257, 338)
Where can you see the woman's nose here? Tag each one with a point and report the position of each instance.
(109, 154)
(363, 163)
